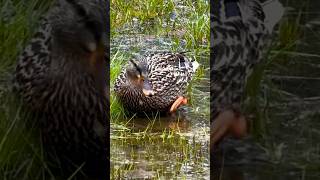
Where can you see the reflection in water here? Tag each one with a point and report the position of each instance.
(177, 122)
(237, 160)
(169, 146)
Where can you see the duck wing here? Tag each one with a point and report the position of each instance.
(169, 73)
(240, 31)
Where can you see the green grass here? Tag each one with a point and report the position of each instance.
(18, 22)
(20, 151)
(189, 22)
(117, 61)
(286, 40)
(284, 124)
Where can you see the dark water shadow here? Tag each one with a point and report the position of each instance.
(177, 121)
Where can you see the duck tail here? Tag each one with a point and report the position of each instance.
(195, 65)
(274, 11)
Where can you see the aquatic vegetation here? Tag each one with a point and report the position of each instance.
(20, 153)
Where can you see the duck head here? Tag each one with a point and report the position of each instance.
(138, 77)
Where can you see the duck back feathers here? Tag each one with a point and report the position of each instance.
(241, 31)
(169, 75)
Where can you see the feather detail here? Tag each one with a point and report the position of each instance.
(169, 74)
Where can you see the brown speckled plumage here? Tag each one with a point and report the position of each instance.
(61, 75)
(240, 31)
(168, 74)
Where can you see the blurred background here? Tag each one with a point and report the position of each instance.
(284, 98)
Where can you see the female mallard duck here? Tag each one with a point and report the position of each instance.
(240, 32)
(157, 83)
(61, 76)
